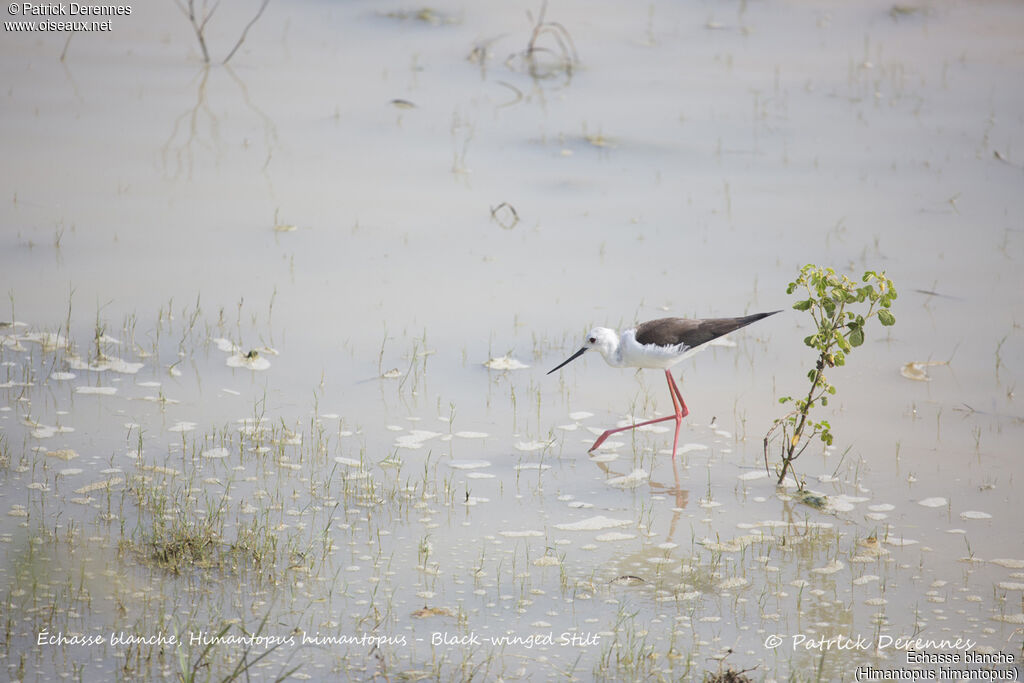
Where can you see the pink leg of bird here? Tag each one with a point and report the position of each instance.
(681, 411)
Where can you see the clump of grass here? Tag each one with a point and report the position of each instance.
(181, 537)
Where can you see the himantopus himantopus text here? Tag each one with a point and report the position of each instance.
(659, 344)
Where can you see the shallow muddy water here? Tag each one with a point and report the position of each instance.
(247, 428)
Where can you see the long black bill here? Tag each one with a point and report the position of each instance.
(570, 359)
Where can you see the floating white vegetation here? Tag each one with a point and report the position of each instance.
(395, 428)
(1011, 585)
(100, 485)
(479, 475)
(843, 502)
(956, 531)
(1010, 618)
(530, 446)
(916, 371)
(632, 480)
(160, 399)
(18, 511)
(614, 536)
(580, 415)
(159, 469)
(248, 426)
(70, 472)
(604, 457)
(594, 524)
(96, 391)
(731, 546)
(876, 602)
(866, 579)
(933, 502)
(654, 429)
(753, 475)
(253, 360)
(881, 507)
(104, 364)
(468, 464)
(415, 438)
(974, 514)
(182, 426)
(901, 542)
(608, 445)
(1008, 563)
(875, 516)
(65, 454)
(689, 447)
(62, 376)
(472, 435)
(532, 466)
(151, 385)
(290, 438)
(215, 453)
(505, 363)
(226, 345)
(393, 373)
(580, 505)
(526, 533)
(475, 500)
(38, 486)
(733, 583)
(568, 428)
(724, 434)
(48, 340)
(350, 462)
(547, 561)
(830, 568)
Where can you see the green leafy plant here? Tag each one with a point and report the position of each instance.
(837, 305)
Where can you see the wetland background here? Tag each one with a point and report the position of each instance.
(243, 373)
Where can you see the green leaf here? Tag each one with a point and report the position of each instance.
(802, 305)
(886, 317)
(856, 336)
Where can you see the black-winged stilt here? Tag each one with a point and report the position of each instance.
(659, 344)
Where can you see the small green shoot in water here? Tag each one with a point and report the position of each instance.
(833, 302)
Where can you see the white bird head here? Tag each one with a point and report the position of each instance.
(600, 339)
